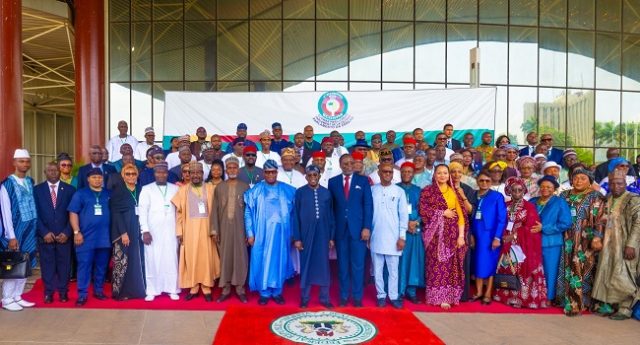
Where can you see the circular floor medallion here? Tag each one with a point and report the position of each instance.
(324, 328)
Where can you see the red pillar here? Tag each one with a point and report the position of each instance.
(89, 72)
(10, 83)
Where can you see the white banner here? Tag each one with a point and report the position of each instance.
(471, 110)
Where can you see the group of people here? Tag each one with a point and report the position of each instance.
(529, 227)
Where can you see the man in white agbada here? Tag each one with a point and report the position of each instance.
(265, 153)
(158, 223)
(113, 146)
(390, 222)
(287, 174)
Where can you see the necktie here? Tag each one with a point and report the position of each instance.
(449, 143)
(54, 197)
(346, 187)
(532, 151)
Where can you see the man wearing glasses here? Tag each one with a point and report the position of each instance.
(554, 154)
(250, 173)
(95, 155)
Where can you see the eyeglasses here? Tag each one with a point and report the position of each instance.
(546, 139)
(249, 154)
(270, 172)
(386, 171)
(375, 141)
(386, 159)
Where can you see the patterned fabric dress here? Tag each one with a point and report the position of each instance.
(533, 293)
(577, 264)
(444, 269)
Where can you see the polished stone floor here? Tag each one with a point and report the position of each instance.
(87, 326)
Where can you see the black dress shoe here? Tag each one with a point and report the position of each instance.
(207, 297)
(81, 301)
(223, 298)
(64, 297)
(357, 304)
(343, 303)
(263, 300)
(327, 305)
(100, 296)
(397, 303)
(278, 299)
(381, 302)
(48, 299)
(304, 304)
(190, 296)
(242, 298)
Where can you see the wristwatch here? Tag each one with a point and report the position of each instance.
(75, 232)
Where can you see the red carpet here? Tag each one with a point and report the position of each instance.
(394, 326)
(291, 295)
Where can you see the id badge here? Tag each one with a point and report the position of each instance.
(574, 213)
(478, 215)
(97, 210)
(137, 210)
(509, 226)
(409, 209)
(201, 208)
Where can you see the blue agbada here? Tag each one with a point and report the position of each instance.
(313, 224)
(411, 265)
(267, 218)
(23, 216)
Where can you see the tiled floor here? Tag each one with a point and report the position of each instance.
(73, 326)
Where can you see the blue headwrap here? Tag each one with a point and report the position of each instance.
(615, 162)
(270, 164)
(312, 169)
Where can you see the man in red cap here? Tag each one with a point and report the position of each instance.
(250, 173)
(409, 150)
(332, 165)
(358, 162)
(319, 158)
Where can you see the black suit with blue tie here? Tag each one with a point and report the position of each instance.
(55, 258)
(84, 170)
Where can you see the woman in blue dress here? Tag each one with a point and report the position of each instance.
(555, 218)
(489, 221)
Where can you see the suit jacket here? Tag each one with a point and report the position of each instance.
(555, 155)
(356, 213)
(602, 170)
(494, 213)
(52, 219)
(526, 151)
(455, 145)
(84, 170)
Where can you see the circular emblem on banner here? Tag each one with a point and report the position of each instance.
(332, 110)
(324, 327)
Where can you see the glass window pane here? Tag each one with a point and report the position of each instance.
(262, 86)
(630, 65)
(141, 51)
(194, 86)
(553, 13)
(364, 86)
(608, 15)
(167, 10)
(119, 49)
(494, 11)
(524, 12)
(462, 10)
(430, 52)
(232, 51)
(523, 56)
(460, 39)
(631, 122)
(397, 86)
(365, 9)
(493, 54)
(266, 9)
(581, 59)
(431, 10)
(167, 51)
(119, 105)
(501, 112)
(332, 9)
(140, 10)
(233, 9)
(522, 112)
(200, 50)
(552, 117)
(607, 118)
(119, 10)
(332, 53)
(298, 45)
(140, 108)
(199, 9)
(580, 117)
(65, 137)
(302, 9)
(332, 86)
(631, 16)
(397, 10)
(553, 57)
(581, 13)
(397, 47)
(296, 86)
(233, 86)
(158, 104)
(608, 60)
(266, 50)
(365, 56)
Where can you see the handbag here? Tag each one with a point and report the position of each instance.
(507, 281)
(14, 265)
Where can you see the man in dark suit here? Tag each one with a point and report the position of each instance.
(95, 155)
(52, 198)
(452, 144)
(554, 154)
(602, 170)
(532, 142)
(353, 209)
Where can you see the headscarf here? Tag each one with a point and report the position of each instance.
(583, 171)
(508, 147)
(514, 181)
(421, 153)
(613, 163)
(270, 164)
(456, 157)
(524, 160)
(502, 165)
(549, 178)
(454, 165)
(289, 151)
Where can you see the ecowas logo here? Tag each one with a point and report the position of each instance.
(324, 328)
(332, 110)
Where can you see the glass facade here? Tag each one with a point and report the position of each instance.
(567, 67)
